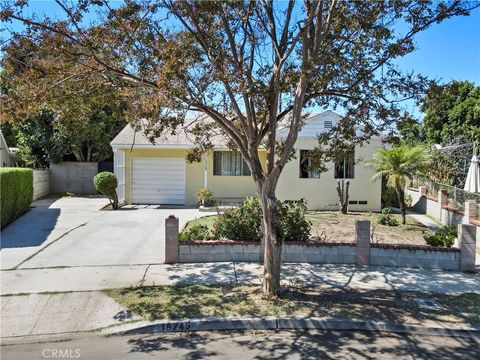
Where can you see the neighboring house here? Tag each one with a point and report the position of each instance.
(159, 174)
(6, 159)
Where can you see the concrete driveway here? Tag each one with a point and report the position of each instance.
(73, 231)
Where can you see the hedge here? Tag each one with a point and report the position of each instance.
(16, 193)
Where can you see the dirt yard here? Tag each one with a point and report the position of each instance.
(331, 226)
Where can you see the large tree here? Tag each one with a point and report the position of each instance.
(452, 113)
(251, 66)
(44, 89)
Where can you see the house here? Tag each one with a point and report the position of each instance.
(6, 158)
(159, 174)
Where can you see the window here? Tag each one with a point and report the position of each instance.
(306, 165)
(345, 168)
(229, 163)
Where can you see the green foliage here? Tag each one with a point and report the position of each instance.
(195, 232)
(399, 164)
(16, 193)
(389, 197)
(40, 141)
(444, 237)
(106, 184)
(295, 225)
(452, 111)
(408, 200)
(244, 223)
(204, 197)
(386, 218)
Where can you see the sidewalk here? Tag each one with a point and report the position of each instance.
(93, 278)
(39, 309)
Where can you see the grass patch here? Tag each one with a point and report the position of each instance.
(195, 301)
(204, 220)
(335, 226)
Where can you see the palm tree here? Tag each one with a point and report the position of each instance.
(398, 164)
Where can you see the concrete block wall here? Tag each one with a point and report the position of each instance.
(319, 253)
(41, 183)
(217, 251)
(415, 257)
(73, 177)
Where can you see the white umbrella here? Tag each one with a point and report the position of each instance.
(472, 182)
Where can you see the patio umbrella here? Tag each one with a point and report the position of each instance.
(472, 182)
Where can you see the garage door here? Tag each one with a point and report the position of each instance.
(158, 181)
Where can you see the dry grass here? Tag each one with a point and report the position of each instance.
(334, 226)
(195, 301)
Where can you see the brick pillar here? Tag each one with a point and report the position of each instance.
(443, 197)
(171, 240)
(422, 190)
(467, 236)
(470, 211)
(362, 240)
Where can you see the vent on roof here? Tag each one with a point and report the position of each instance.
(327, 124)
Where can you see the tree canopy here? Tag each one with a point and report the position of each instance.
(452, 113)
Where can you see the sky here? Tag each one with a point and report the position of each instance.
(446, 51)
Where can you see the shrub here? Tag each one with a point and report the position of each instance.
(16, 193)
(106, 184)
(443, 237)
(408, 200)
(386, 218)
(244, 223)
(204, 197)
(295, 225)
(196, 232)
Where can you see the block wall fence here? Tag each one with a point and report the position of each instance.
(361, 252)
(437, 208)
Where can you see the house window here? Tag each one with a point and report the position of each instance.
(229, 163)
(307, 166)
(345, 168)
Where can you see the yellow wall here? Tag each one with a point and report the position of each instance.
(220, 186)
(321, 193)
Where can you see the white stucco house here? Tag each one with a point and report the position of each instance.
(159, 173)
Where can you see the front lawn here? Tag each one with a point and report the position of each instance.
(196, 301)
(335, 226)
(332, 226)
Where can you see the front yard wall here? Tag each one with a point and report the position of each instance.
(73, 177)
(323, 253)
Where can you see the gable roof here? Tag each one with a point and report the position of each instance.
(128, 137)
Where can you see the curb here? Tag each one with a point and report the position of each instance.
(286, 323)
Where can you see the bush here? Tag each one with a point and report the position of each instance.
(16, 193)
(204, 197)
(386, 218)
(444, 237)
(196, 232)
(106, 184)
(295, 225)
(244, 223)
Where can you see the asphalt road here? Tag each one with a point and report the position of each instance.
(251, 345)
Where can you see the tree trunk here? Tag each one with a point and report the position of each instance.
(401, 202)
(343, 197)
(272, 242)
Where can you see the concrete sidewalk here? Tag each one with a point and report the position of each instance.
(91, 278)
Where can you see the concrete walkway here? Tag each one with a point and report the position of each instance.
(331, 275)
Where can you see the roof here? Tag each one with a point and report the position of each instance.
(128, 137)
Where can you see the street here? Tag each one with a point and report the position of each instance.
(251, 345)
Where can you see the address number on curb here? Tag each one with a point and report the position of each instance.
(175, 326)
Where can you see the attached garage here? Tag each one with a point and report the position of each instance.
(158, 181)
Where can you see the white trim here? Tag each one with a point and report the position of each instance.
(205, 174)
